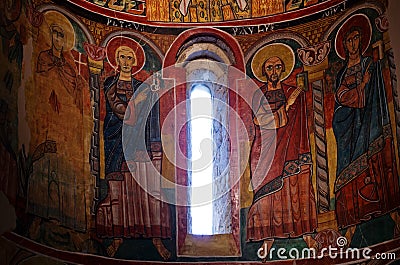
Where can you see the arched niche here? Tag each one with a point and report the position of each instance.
(209, 57)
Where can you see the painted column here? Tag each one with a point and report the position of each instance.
(384, 47)
(96, 56)
(315, 61)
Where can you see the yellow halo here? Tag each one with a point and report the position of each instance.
(283, 51)
(54, 18)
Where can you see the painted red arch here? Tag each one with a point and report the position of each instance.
(231, 42)
(170, 71)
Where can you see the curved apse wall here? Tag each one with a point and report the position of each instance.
(95, 130)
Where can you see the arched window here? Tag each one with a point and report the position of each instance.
(208, 150)
(206, 60)
(201, 161)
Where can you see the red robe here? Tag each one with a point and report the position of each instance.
(284, 203)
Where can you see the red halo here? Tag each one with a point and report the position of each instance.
(118, 41)
(360, 21)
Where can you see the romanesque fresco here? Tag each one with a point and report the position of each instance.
(197, 10)
(356, 183)
(128, 211)
(58, 114)
(56, 162)
(96, 138)
(284, 200)
(11, 56)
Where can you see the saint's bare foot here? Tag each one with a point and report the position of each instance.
(164, 253)
(113, 247)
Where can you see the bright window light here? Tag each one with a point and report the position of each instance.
(201, 149)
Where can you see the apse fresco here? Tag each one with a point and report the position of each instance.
(198, 11)
(128, 211)
(98, 158)
(56, 161)
(284, 201)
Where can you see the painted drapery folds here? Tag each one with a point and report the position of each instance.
(284, 203)
(367, 179)
(91, 160)
(55, 117)
(129, 211)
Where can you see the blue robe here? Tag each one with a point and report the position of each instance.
(147, 129)
(367, 182)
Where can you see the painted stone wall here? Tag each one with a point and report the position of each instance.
(95, 141)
